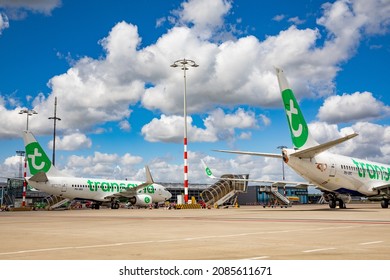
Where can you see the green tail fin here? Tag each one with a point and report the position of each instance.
(299, 130)
(37, 159)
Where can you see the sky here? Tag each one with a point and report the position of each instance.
(121, 104)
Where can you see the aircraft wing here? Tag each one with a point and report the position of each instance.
(133, 191)
(311, 152)
(130, 192)
(250, 153)
(282, 183)
(381, 187)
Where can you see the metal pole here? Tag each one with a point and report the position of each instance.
(54, 133)
(184, 63)
(185, 140)
(284, 187)
(28, 113)
(27, 121)
(24, 182)
(21, 154)
(2, 196)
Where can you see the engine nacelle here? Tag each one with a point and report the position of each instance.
(346, 198)
(141, 200)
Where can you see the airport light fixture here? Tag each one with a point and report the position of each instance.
(55, 119)
(29, 113)
(184, 64)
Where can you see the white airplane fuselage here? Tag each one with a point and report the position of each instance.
(96, 189)
(341, 174)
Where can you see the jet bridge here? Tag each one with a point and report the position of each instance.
(225, 189)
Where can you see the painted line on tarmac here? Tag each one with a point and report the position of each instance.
(258, 258)
(318, 250)
(221, 237)
(372, 242)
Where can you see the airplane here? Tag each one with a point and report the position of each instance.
(338, 177)
(47, 178)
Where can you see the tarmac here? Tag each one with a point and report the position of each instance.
(302, 232)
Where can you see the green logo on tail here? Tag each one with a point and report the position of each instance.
(208, 171)
(296, 122)
(37, 159)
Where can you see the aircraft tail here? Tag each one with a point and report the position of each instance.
(38, 161)
(299, 130)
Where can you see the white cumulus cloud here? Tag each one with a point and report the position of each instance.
(72, 142)
(218, 126)
(352, 107)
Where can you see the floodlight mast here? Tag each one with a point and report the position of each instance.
(55, 118)
(185, 64)
(28, 113)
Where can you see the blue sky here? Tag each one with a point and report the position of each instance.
(121, 104)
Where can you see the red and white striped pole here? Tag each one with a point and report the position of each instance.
(185, 171)
(24, 183)
(183, 63)
(28, 113)
(21, 154)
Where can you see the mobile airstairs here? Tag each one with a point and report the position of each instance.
(54, 202)
(224, 190)
(276, 197)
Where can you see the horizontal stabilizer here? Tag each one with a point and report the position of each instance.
(273, 183)
(39, 177)
(250, 153)
(311, 152)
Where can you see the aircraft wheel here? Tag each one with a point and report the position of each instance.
(385, 203)
(342, 205)
(332, 203)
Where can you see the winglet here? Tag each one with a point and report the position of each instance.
(208, 170)
(149, 178)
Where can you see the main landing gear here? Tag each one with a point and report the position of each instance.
(334, 201)
(385, 203)
(114, 205)
(95, 205)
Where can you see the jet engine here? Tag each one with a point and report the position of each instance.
(141, 200)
